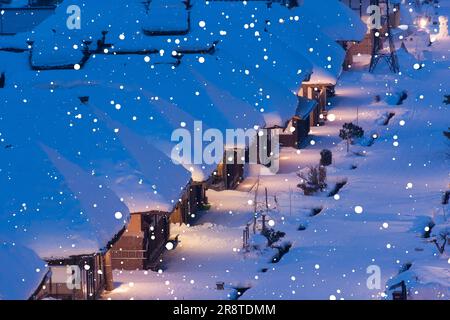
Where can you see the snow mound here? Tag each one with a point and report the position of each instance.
(21, 272)
(258, 242)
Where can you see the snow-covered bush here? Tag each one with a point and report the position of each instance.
(326, 157)
(313, 180)
(349, 132)
(272, 236)
(397, 98)
(385, 118)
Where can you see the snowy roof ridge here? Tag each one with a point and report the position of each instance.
(166, 198)
(166, 19)
(339, 22)
(167, 115)
(75, 217)
(325, 54)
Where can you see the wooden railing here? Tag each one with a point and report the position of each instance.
(128, 254)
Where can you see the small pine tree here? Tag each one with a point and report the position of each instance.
(349, 132)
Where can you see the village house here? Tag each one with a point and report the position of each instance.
(296, 28)
(279, 77)
(81, 263)
(89, 264)
(174, 200)
(133, 123)
(73, 274)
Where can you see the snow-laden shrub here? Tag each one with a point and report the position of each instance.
(385, 118)
(326, 157)
(396, 98)
(313, 180)
(272, 236)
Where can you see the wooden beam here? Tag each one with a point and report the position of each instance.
(109, 283)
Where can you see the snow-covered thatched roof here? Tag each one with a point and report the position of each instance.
(21, 271)
(166, 17)
(64, 190)
(242, 31)
(325, 54)
(269, 98)
(13, 3)
(332, 17)
(112, 150)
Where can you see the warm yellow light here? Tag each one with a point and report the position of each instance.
(423, 22)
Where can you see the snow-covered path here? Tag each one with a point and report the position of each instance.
(398, 182)
(398, 187)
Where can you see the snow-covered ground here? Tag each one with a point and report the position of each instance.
(380, 219)
(394, 189)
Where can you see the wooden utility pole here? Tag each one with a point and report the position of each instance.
(267, 202)
(109, 283)
(378, 35)
(290, 201)
(266, 212)
(255, 206)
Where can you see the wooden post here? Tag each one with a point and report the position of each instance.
(357, 114)
(267, 211)
(246, 236)
(109, 283)
(290, 201)
(402, 294)
(267, 202)
(220, 285)
(255, 206)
